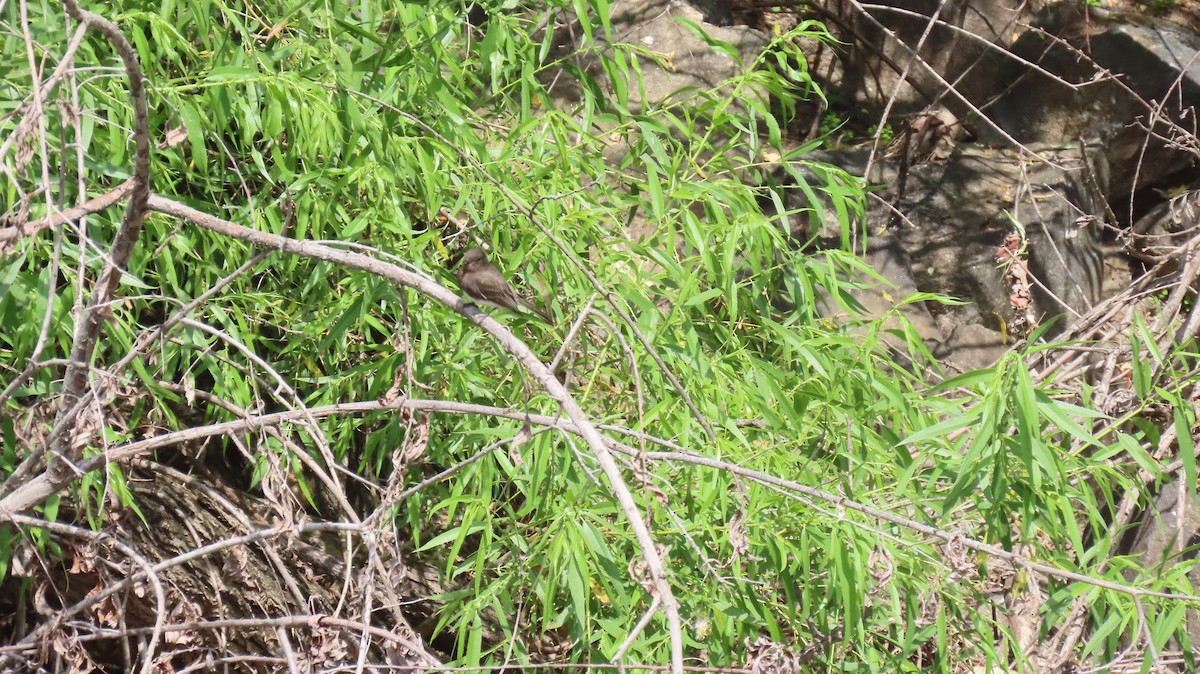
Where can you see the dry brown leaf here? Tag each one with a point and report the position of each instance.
(393, 394)
(173, 137)
(738, 538)
(327, 649)
(83, 559)
(764, 656)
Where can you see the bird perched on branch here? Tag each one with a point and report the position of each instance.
(484, 285)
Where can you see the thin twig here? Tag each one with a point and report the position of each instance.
(87, 331)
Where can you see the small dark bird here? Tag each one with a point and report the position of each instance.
(484, 285)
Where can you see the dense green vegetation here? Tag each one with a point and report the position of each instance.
(409, 132)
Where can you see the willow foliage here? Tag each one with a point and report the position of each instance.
(417, 128)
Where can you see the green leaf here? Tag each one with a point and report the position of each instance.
(194, 123)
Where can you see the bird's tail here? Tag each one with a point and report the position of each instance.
(540, 313)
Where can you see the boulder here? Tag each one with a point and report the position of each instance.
(952, 216)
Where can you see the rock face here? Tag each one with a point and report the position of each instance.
(1103, 75)
(958, 212)
(940, 234)
(688, 59)
(1077, 88)
(1050, 76)
(1166, 227)
(949, 215)
(878, 45)
(679, 60)
(1168, 535)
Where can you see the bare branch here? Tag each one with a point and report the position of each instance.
(87, 329)
(517, 349)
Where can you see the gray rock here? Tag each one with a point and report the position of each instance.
(1154, 63)
(691, 62)
(881, 46)
(1160, 233)
(954, 215)
(684, 61)
(1168, 535)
